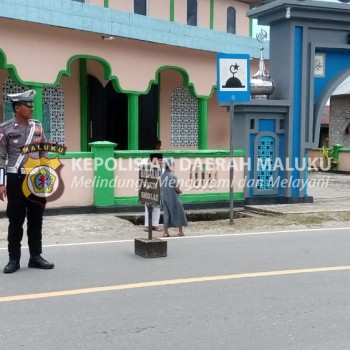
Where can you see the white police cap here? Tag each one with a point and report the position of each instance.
(27, 96)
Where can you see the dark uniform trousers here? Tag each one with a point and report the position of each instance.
(18, 207)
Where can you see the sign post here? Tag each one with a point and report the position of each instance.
(231, 163)
(233, 85)
(149, 194)
(149, 191)
(150, 213)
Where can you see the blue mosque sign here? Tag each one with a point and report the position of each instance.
(233, 78)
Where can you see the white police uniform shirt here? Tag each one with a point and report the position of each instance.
(13, 137)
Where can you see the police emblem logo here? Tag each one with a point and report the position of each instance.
(43, 181)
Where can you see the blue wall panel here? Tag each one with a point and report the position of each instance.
(296, 139)
(336, 63)
(267, 125)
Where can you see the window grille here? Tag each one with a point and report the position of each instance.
(265, 166)
(184, 118)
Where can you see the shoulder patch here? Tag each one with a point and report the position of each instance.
(7, 122)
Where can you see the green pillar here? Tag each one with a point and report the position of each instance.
(38, 103)
(202, 123)
(133, 122)
(172, 11)
(211, 23)
(83, 105)
(103, 152)
(336, 149)
(106, 3)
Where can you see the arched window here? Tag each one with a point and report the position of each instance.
(184, 118)
(192, 12)
(140, 7)
(231, 20)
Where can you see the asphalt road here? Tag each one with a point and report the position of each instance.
(267, 291)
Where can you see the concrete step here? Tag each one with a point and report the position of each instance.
(192, 215)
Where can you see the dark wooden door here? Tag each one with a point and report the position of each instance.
(108, 115)
(148, 118)
(96, 110)
(116, 117)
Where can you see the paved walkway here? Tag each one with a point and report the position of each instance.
(331, 193)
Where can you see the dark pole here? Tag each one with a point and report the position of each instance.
(231, 162)
(150, 210)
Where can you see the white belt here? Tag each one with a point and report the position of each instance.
(14, 170)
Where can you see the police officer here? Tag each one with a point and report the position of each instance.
(14, 134)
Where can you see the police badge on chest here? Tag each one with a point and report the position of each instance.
(14, 138)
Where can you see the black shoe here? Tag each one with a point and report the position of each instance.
(40, 263)
(12, 266)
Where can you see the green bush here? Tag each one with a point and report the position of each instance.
(329, 162)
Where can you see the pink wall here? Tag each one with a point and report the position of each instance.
(121, 5)
(203, 15)
(57, 46)
(180, 11)
(96, 69)
(218, 125)
(78, 180)
(159, 9)
(344, 161)
(71, 91)
(98, 2)
(73, 196)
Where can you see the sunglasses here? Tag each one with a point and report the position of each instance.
(29, 105)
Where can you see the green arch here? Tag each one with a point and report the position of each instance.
(186, 81)
(67, 72)
(115, 81)
(10, 68)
